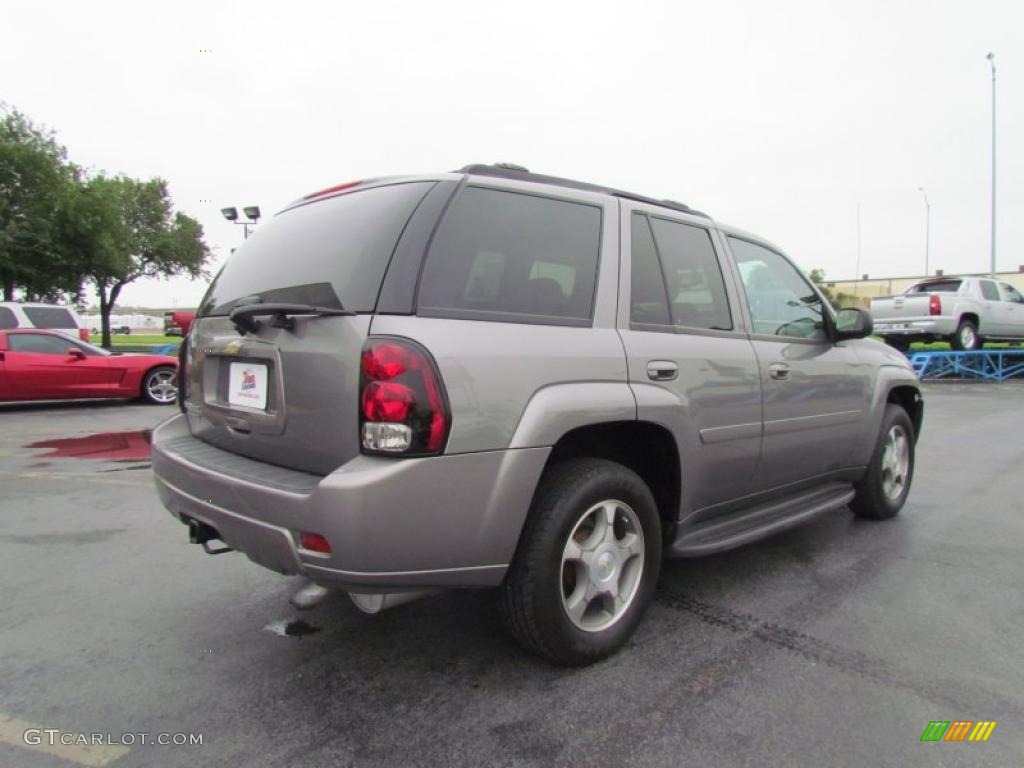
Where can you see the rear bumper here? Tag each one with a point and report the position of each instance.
(445, 521)
(920, 326)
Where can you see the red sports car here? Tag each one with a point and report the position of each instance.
(44, 365)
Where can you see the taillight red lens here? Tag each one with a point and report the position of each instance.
(83, 334)
(387, 401)
(935, 305)
(403, 407)
(314, 542)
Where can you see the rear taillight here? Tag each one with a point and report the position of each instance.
(314, 542)
(83, 334)
(182, 373)
(403, 408)
(934, 305)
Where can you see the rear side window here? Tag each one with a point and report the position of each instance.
(989, 290)
(693, 277)
(513, 257)
(330, 253)
(7, 319)
(50, 317)
(648, 303)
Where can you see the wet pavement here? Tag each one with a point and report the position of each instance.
(830, 645)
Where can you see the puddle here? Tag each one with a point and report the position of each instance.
(291, 628)
(104, 446)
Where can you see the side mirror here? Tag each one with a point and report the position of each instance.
(76, 353)
(853, 323)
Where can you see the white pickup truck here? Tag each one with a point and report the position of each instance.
(966, 311)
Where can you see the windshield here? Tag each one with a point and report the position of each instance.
(331, 253)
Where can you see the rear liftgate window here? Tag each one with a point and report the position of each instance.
(329, 253)
(513, 257)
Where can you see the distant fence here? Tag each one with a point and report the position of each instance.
(987, 365)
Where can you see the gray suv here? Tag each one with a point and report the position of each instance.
(493, 378)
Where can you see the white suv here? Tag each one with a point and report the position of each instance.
(14, 314)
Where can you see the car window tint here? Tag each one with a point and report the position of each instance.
(648, 298)
(782, 302)
(1011, 293)
(989, 290)
(330, 252)
(696, 288)
(7, 319)
(50, 317)
(38, 342)
(935, 286)
(509, 256)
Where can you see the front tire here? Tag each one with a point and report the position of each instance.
(587, 563)
(159, 386)
(883, 490)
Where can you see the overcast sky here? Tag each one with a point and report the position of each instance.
(776, 117)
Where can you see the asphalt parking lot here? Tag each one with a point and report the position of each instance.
(831, 645)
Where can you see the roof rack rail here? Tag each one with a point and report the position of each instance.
(520, 173)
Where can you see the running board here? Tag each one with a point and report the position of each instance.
(723, 532)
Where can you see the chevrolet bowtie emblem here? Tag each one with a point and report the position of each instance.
(233, 347)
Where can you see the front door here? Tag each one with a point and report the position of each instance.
(815, 391)
(691, 367)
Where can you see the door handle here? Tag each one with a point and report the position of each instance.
(662, 370)
(778, 371)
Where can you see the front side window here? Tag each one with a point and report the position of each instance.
(782, 302)
(513, 257)
(1011, 294)
(989, 290)
(39, 343)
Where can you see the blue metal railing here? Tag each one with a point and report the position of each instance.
(989, 365)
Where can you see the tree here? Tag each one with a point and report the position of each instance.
(35, 182)
(123, 229)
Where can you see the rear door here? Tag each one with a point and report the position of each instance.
(994, 319)
(815, 392)
(289, 396)
(691, 365)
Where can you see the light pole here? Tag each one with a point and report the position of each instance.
(927, 227)
(252, 211)
(992, 61)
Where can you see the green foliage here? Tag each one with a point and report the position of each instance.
(36, 182)
(818, 278)
(127, 229)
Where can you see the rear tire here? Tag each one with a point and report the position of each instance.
(897, 343)
(883, 490)
(578, 586)
(158, 385)
(966, 337)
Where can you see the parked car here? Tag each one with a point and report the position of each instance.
(493, 378)
(965, 311)
(178, 322)
(123, 330)
(47, 365)
(16, 314)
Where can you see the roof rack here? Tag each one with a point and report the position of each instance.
(519, 173)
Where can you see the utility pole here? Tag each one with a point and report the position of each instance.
(992, 61)
(927, 227)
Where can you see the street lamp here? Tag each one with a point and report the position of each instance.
(252, 211)
(992, 62)
(927, 227)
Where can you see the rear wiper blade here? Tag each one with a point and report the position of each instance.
(282, 314)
